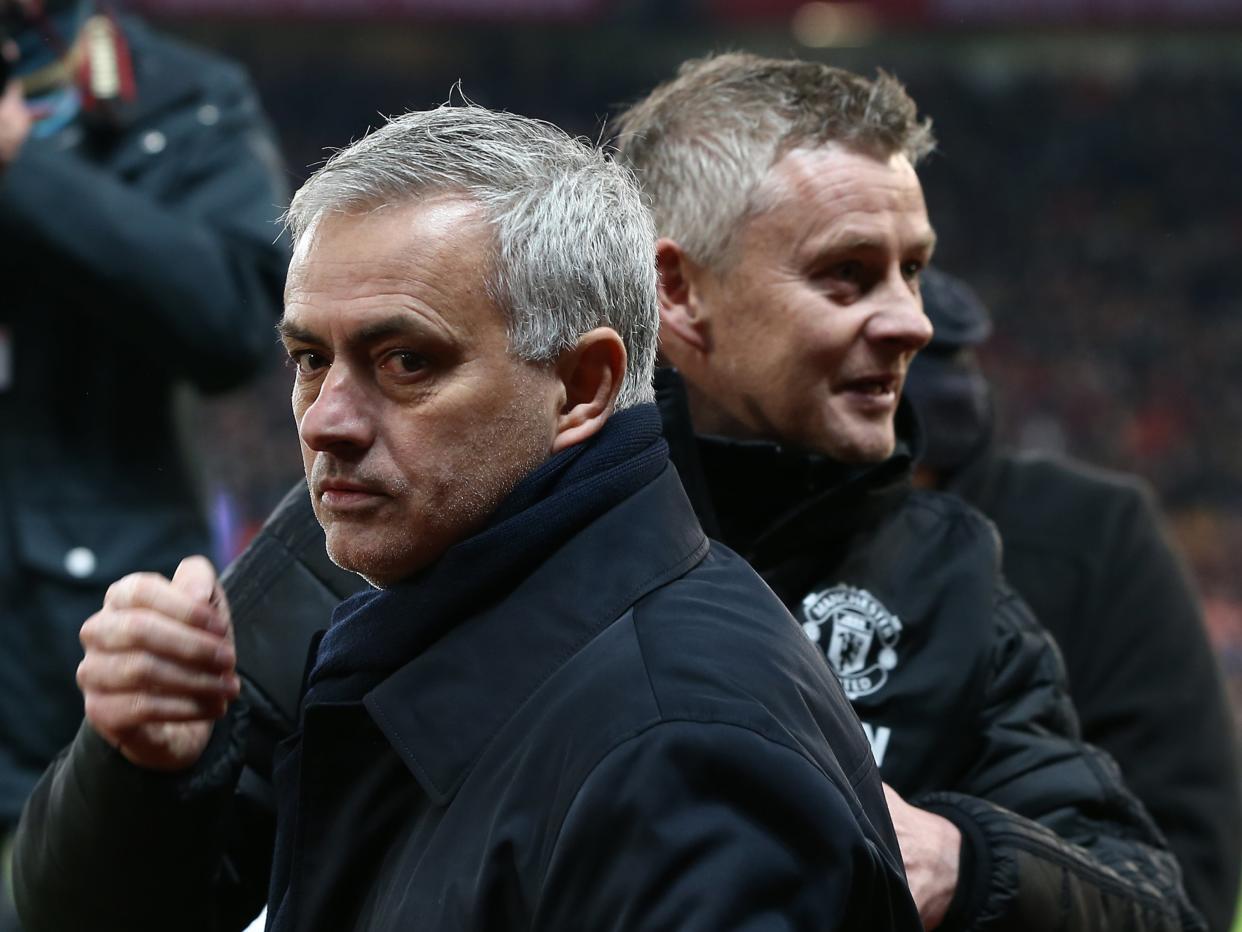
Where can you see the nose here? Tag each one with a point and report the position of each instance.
(899, 321)
(338, 419)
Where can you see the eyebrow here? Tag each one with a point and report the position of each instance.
(928, 243)
(290, 332)
(378, 330)
(851, 242)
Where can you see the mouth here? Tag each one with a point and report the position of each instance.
(344, 495)
(881, 387)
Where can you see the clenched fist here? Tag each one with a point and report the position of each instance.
(160, 666)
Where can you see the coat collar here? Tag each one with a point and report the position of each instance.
(765, 500)
(441, 710)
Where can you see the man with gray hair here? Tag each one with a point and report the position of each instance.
(560, 707)
(792, 234)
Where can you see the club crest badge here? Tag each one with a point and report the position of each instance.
(857, 634)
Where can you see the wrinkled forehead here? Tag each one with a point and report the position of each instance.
(393, 240)
(424, 262)
(834, 169)
(818, 191)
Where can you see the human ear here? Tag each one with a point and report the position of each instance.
(683, 323)
(590, 375)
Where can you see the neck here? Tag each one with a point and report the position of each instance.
(710, 418)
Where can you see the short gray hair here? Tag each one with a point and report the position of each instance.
(575, 247)
(702, 143)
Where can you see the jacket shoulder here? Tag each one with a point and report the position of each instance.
(173, 56)
(717, 646)
(704, 821)
(171, 73)
(950, 513)
(927, 529)
(281, 590)
(1036, 494)
(713, 647)
(1044, 468)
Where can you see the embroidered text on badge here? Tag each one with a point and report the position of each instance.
(862, 636)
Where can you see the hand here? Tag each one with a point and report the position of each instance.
(160, 665)
(14, 117)
(931, 847)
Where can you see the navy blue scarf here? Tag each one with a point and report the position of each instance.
(375, 633)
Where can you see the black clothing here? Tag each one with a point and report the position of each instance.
(133, 258)
(989, 691)
(589, 717)
(631, 735)
(959, 317)
(205, 843)
(1086, 550)
(372, 633)
(961, 692)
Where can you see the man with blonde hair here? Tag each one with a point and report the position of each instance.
(792, 235)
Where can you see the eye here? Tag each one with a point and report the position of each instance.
(911, 270)
(307, 362)
(403, 363)
(849, 271)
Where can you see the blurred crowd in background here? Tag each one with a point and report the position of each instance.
(1086, 184)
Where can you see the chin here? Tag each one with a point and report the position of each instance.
(864, 450)
(378, 565)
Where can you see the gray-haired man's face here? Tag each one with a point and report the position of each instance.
(414, 417)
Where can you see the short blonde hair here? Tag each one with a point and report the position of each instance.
(701, 143)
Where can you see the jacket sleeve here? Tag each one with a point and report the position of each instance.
(105, 845)
(711, 827)
(1059, 842)
(1164, 693)
(190, 273)
(108, 846)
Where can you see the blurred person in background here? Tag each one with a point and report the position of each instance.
(1086, 549)
(138, 188)
(793, 234)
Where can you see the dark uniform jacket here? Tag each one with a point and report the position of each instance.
(992, 688)
(133, 257)
(961, 692)
(630, 734)
(1086, 550)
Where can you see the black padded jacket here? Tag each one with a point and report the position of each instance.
(1086, 549)
(961, 692)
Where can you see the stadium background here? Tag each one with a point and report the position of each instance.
(1087, 183)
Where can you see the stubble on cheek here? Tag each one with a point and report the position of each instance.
(489, 461)
(448, 495)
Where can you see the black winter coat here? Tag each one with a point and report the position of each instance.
(636, 737)
(669, 753)
(1017, 689)
(134, 257)
(961, 692)
(1086, 550)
